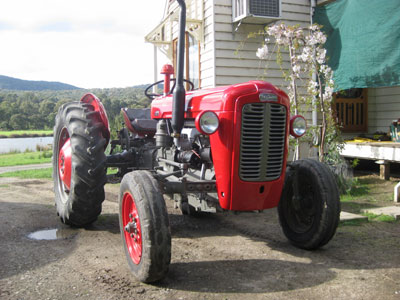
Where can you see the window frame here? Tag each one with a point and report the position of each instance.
(186, 67)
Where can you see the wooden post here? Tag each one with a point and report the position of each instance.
(384, 169)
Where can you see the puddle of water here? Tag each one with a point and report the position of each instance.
(51, 234)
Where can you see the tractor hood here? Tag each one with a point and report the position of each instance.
(220, 99)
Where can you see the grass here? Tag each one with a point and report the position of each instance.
(26, 158)
(30, 174)
(112, 171)
(45, 173)
(357, 222)
(25, 133)
(360, 188)
(379, 218)
(368, 191)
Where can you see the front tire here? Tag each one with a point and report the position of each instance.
(310, 221)
(144, 226)
(78, 164)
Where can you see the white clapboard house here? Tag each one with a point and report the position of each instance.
(219, 52)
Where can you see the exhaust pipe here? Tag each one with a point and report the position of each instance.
(178, 103)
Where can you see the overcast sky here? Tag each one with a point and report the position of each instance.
(87, 43)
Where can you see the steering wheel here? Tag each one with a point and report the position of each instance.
(153, 95)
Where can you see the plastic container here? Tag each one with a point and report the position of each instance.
(395, 131)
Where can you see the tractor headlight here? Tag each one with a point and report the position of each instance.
(207, 122)
(298, 126)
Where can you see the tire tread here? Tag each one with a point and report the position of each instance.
(320, 234)
(83, 204)
(156, 255)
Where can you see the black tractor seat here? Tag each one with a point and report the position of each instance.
(138, 120)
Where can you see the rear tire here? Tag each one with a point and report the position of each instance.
(79, 204)
(144, 226)
(310, 222)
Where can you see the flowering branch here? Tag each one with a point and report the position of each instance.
(307, 55)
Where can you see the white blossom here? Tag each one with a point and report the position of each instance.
(312, 87)
(289, 33)
(296, 69)
(320, 37)
(306, 55)
(321, 53)
(306, 47)
(272, 30)
(262, 53)
(325, 70)
(328, 92)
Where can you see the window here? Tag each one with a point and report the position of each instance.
(192, 59)
(351, 108)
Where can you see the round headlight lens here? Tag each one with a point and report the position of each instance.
(208, 122)
(298, 126)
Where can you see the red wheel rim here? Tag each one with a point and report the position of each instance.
(64, 160)
(131, 227)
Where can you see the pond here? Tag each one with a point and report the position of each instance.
(22, 144)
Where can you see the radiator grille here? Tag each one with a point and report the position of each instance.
(266, 8)
(262, 141)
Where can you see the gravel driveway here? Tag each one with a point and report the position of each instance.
(226, 256)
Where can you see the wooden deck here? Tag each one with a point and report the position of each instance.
(387, 151)
(382, 152)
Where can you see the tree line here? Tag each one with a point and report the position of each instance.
(33, 110)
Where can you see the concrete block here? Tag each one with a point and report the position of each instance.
(393, 211)
(345, 216)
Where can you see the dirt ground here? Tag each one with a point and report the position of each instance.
(228, 256)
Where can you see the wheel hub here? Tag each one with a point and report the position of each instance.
(131, 227)
(132, 231)
(302, 210)
(64, 163)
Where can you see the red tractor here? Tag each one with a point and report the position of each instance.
(210, 150)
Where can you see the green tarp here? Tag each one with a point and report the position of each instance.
(363, 42)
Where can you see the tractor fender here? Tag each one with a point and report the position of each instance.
(91, 99)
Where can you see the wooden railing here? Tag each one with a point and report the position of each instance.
(351, 113)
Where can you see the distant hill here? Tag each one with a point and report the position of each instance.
(141, 86)
(10, 83)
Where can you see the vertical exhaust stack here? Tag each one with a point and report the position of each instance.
(178, 104)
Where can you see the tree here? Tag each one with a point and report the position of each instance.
(37, 110)
(18, 122)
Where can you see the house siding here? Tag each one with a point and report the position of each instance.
(227, 56)
(235, 59)
(383, 108)
(207, 50)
